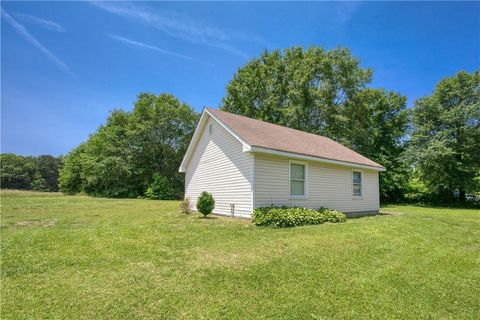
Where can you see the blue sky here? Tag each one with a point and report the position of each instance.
(65, 65)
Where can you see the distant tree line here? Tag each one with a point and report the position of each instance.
(431, 151)
(29, 173)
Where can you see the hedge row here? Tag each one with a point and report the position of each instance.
(282, 217)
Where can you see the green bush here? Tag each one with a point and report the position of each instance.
(282, 217)
(333, 216)
(205, 203)
(160, 189)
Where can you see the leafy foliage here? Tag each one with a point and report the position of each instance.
(29, 173)
(445, 141)
(332, 216)
(324, 92)
(159, 189)
(127, 154)
(283, 217)
(205, 203)
(39, 183)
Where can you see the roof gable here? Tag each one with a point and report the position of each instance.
(198, 133)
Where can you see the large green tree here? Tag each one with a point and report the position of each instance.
(122, 158)
(325, 92)
(445, 141)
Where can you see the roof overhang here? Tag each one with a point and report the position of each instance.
(249, 148)
(312, 158)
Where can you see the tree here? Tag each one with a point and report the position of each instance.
(70, 179)
(445, 140)
(48, 168)
(39, 183)
(29, 173)
(17, 171)
(160, 189)
(123, 157)
(300, 89)
(324, 92)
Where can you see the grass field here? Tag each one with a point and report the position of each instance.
(68, 257)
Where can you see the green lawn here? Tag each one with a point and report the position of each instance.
(70, 257)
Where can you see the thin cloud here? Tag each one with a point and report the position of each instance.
(44, 23)
(150, 47)
(175, 25)
(33, 41)
(346, 11)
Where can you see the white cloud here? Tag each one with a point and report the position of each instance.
(150, 47)
(48, 24)
(176, 25)
(346, 10)
(32, 40)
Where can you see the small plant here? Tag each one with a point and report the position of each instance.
(186, 206)
(205, 203)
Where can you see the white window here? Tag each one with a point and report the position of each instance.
(357, 184)
(298, 180)
(210, 129)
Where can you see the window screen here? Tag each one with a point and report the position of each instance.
(357, 183)
(297, 179)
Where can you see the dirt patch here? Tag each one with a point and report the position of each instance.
(36, 223)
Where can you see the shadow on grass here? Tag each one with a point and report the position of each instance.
(207, 217)
(382, 213)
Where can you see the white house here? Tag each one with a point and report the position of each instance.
(247, 163)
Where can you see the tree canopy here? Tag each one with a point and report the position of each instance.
(29, 173)
(132, 150)
(325, 92)
(445, 140)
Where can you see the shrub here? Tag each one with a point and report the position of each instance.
(160, 189)
(333, 215)
(282, 217)
(186, 206)
(205, 203)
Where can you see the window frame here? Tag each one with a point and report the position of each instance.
(358, 197)
(305, 181)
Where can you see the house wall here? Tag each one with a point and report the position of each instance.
(328, 185)
(218, 165)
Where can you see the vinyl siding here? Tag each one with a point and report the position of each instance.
(328, 186)
(219, 165)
